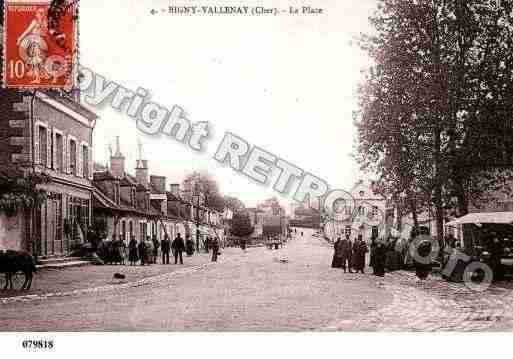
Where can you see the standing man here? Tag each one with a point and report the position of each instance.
(359, 251)
(215, 249)
(496, 251)
(345, 249)
(141, 247)
(155, 249)
(178, 247)
(207, 244)
(165, 246)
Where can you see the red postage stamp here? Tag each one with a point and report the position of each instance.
(39, 44)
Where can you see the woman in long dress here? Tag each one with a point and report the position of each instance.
(337, 254)
(379, 258)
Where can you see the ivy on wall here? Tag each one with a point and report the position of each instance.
(18, 192)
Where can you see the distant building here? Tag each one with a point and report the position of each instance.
(367, 216)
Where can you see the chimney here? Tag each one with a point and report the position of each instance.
(175, 189)
(159, 183)
(117, 162)
(141, 172)
(141, 169)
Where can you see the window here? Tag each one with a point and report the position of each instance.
(85, 161)
(59, 149)
(43, 146)
(73, 157)
(361, 210)
(374, 210)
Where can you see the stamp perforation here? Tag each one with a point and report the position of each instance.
(71, 57)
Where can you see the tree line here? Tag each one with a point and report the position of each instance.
(434, 116)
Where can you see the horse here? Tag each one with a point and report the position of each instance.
(12, 262)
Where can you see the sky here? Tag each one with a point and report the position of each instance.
(284, 83)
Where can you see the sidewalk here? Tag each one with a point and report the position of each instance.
(92, 276)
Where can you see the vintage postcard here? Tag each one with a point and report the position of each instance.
(328, 166)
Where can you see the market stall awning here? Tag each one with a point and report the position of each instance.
(484, 217)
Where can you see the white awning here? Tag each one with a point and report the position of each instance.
(484, 217)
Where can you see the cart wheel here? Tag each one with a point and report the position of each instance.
(17, 280)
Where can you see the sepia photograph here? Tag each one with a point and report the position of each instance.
(321, 174)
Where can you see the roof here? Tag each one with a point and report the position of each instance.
(131, 178)
(155, 190)
(103, 176)
(102, 201)
(74, 105)
(127, 181)
(141, 187)
(484, 217)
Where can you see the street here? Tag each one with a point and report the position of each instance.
(292, 289)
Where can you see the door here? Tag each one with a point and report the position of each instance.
(50, 227)
(56, 225)
(43, 229)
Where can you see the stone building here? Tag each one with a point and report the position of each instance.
(129, 206)
(51, 133)
(140, 206)
(365, 217)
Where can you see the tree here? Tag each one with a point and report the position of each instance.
(241, 224)
(234, 204)
(207, 187)
(436, 100)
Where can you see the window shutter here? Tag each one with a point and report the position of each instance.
(36, 144)
(54, 157)
(64, 154)
(49, 141)
(91, 162)
(80, 159)
(68, 156)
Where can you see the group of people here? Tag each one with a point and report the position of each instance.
(349, 256)
(146, 252)
(385, 255)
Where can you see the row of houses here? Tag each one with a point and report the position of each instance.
(52, 133)
(140, 206)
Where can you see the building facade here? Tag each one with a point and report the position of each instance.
(49, 133)
(140, 206)
(366, 217)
